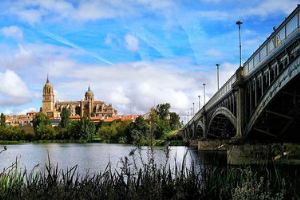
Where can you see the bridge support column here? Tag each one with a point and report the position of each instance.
(204, 123)
(238, 86)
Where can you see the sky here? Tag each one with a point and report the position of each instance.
(133, 54)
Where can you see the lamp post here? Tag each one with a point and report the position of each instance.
(191, 113)
(218, 75)
(199, 101)
(204, 94)
(188, 116)
(240, 23)
(193, 109)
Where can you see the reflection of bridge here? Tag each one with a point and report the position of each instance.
(262, 99)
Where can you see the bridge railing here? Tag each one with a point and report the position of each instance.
(284, 31)
(222, 91)
(217, 96)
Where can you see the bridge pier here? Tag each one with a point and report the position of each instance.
(240, 102)
(212, 145)
(247, 152)
(250, 153)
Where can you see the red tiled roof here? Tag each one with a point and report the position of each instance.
(75, 117)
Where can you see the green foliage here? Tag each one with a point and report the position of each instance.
(2, 120)
(115, 131)
(162, 111)
(139, 132)
(14, 133)
(174, 121)
(108, 132)
(42, 126)
(65, 118)
(45, 132)
(86, 128)
(163, 121)
(40, 119)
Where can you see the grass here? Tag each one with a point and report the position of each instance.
(151, 182)
(4, 142)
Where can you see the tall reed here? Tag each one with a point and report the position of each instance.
(150, 181)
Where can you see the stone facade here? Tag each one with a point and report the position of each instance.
(87, 107)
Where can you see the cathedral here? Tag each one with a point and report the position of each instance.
(87, 107)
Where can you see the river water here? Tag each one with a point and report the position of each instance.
(94, 157)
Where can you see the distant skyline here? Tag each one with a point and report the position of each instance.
(131, 53)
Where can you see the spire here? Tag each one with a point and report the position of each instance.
(89, 89)
(47, 78)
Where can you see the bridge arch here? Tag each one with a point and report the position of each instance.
(199, 130)
(277, 114)
(222, 124)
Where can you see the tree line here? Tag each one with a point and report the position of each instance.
(161, 121)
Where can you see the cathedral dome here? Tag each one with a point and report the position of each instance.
(89, 94)
(89, 91)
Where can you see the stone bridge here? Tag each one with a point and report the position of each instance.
(262, 99)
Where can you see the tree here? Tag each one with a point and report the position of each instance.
(141, 125)
(65, 118)
(41, 129)
(174, 121)
(2, 120)
(40, 118)
(161, 120)
(85, 128)
(139, 130)
(163, 111)
(108, 132)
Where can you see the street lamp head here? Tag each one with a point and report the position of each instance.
(239, 22)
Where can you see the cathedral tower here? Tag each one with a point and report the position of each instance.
(48, 99)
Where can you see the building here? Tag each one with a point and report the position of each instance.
(87, 107)
(20, 120)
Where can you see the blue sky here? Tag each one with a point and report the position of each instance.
(132, 53)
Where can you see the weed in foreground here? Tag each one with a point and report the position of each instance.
(148, 182)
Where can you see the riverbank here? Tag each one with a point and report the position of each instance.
(155, 142)
(7, 142)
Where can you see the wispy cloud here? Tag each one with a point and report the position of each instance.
(66, 42)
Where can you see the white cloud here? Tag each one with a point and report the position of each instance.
(12, 31)
(34, 11)
(132, 43)
(13, 91)
(264, 8)
(138, 85)
(118, 96)
(22, 57)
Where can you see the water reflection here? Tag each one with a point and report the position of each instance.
(94, 157)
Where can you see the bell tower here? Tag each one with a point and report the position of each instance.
(48, 99)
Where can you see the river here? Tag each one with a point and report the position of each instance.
(94, 157)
